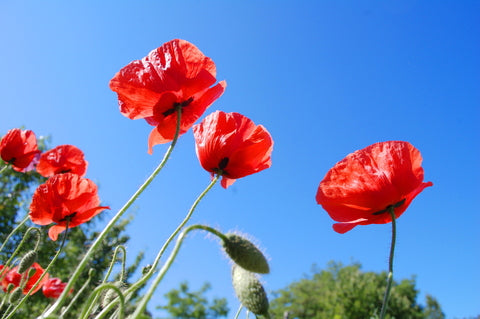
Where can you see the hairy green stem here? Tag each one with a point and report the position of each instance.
(97, 291)
(391, 210)
(3, 169)
(78, 294)
(45, 272)
(93, 301)
(137, 285)
(238, 311)
(24, 220)
(148, 295)
(76, 274)
(20, 245)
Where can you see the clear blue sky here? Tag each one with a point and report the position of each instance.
(325, 77)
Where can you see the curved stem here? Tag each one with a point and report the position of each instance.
(78, 294)
(137, 285)
(45, 272)
(14, 231)
(76, 274)
(391, 210)
(97, 291)
(238, 312)
(22, 242)
(3, 169)
(148, 295)
(180, 226)
(88, 307)
(114, 259)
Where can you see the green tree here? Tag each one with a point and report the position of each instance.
(183, 304)
(16, 190)
(346, 292)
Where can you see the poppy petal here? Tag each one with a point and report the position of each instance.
(176, 68)
(359, 189)
(232, 145)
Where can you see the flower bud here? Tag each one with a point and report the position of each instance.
(15, 295)
(249, 291)
(245, 254)
(27, 261)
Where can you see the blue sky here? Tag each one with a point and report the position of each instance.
(324, 77)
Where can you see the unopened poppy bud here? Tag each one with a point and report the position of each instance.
(15, 295)
(249, 291)
(245, 254)
(27, 261)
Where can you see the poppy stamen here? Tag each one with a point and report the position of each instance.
(220, 170)
(400, 203)
(177, 104)
(68, 218)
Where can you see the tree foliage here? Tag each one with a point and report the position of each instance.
(183, 304)
(347, 292)
(16, 190)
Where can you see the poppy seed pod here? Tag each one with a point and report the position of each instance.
(27, 261)
(249, 291)
(245, 254)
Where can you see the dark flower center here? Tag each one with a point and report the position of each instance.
(400, 203)
(65, 171)
(177, 104)
(221, 166)
(68, 217)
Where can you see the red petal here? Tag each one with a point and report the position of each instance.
(369, 180)
(166, 125)
(175, 66)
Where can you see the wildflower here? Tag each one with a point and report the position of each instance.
(53, 287)
(62, 199)
(19, 148)
(365, 185)
(231, 145)
(13, 277)
(62, 159)
(175, 75)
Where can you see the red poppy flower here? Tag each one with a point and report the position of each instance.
(62, 198)
(62, 159)
(361, 188)
(231, 145)
(13, 277)
(19, 148)
(175, 74)
(53, 288)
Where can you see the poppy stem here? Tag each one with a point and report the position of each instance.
(141, 306)
(45, 272)
(98, 241)
(88, 307)
(98, 290)
(3, 169)
(79, 293)
(24, 220)
(238, 312)
(19, 247)
(391, 210)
